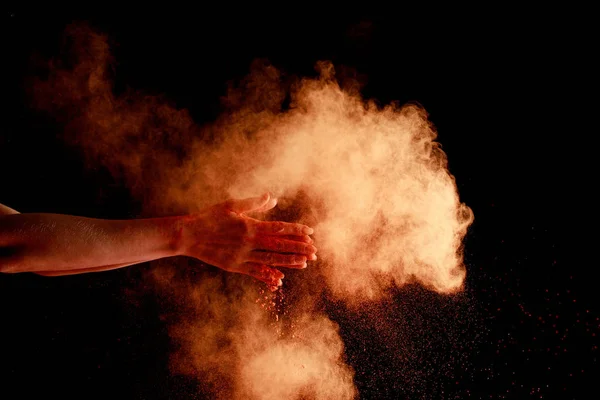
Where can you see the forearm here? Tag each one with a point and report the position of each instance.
(55, 244)
(86, 270)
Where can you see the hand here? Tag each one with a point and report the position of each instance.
(224, 236)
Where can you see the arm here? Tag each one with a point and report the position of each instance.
(4, 210)
(64, 243)
(222, 235)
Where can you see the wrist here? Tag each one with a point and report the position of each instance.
(169, 236)
(177, 229)
(184, 234)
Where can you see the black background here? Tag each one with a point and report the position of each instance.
(512, 93)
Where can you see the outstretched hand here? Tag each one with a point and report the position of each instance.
(226, 237)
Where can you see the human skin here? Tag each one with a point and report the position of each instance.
(223, 235)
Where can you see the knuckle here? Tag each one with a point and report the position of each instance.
(279, 245)
(287, 259)
(284, 259)
(275, 259)
(278, 226)
(268, 257)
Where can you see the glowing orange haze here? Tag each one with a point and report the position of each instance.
(371, 181)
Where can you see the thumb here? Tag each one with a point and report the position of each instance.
(261, 203)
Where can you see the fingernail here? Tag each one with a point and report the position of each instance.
(304, 266)
(313, 257)
(307, 231)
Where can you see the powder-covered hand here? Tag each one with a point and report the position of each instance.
(226, 237)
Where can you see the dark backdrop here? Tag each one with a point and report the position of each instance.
(512, 93)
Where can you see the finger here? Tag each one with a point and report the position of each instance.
(293, 266)
(264, 273)
(273, 243)
(249, 204)
(270, 258)
(281, 228)
(303, 238)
